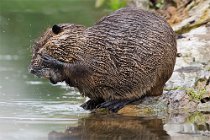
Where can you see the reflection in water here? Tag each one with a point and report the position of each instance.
(97, 127)
(174, 127)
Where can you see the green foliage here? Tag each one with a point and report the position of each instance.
(195, 94)
(174, 88)
(158, 4)
(99, 3)
(116, 4)
(111, 4)
(191, 92)
(196, 117)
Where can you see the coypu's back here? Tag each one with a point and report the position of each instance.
(136, 49)
(124, 56)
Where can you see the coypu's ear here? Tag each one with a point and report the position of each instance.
(56, 29)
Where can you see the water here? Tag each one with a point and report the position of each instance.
(33, 109)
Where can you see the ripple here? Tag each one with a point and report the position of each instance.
(41, 109)
(3, 69)
(9, 57)
(34, 82)
(37, 119)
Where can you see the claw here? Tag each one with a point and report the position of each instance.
(46, 57)
(51, 62)
(91, 104)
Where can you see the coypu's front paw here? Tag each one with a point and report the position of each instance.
(51, 62)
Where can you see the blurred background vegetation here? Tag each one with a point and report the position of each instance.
(111, 4)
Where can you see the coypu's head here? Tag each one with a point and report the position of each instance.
(57, 43)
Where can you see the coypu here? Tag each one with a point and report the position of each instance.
(124, 56)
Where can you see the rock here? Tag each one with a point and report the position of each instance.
(193, 64)
(204, 106)
(198, 13)
(171, 101)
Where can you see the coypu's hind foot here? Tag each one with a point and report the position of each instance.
(114, 105)
(91, 104)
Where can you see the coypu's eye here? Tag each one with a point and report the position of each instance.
(56, 29)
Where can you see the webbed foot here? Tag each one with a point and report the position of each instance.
(115, 105)
(91, 104)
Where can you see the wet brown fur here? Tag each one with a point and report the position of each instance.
(125, 55)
